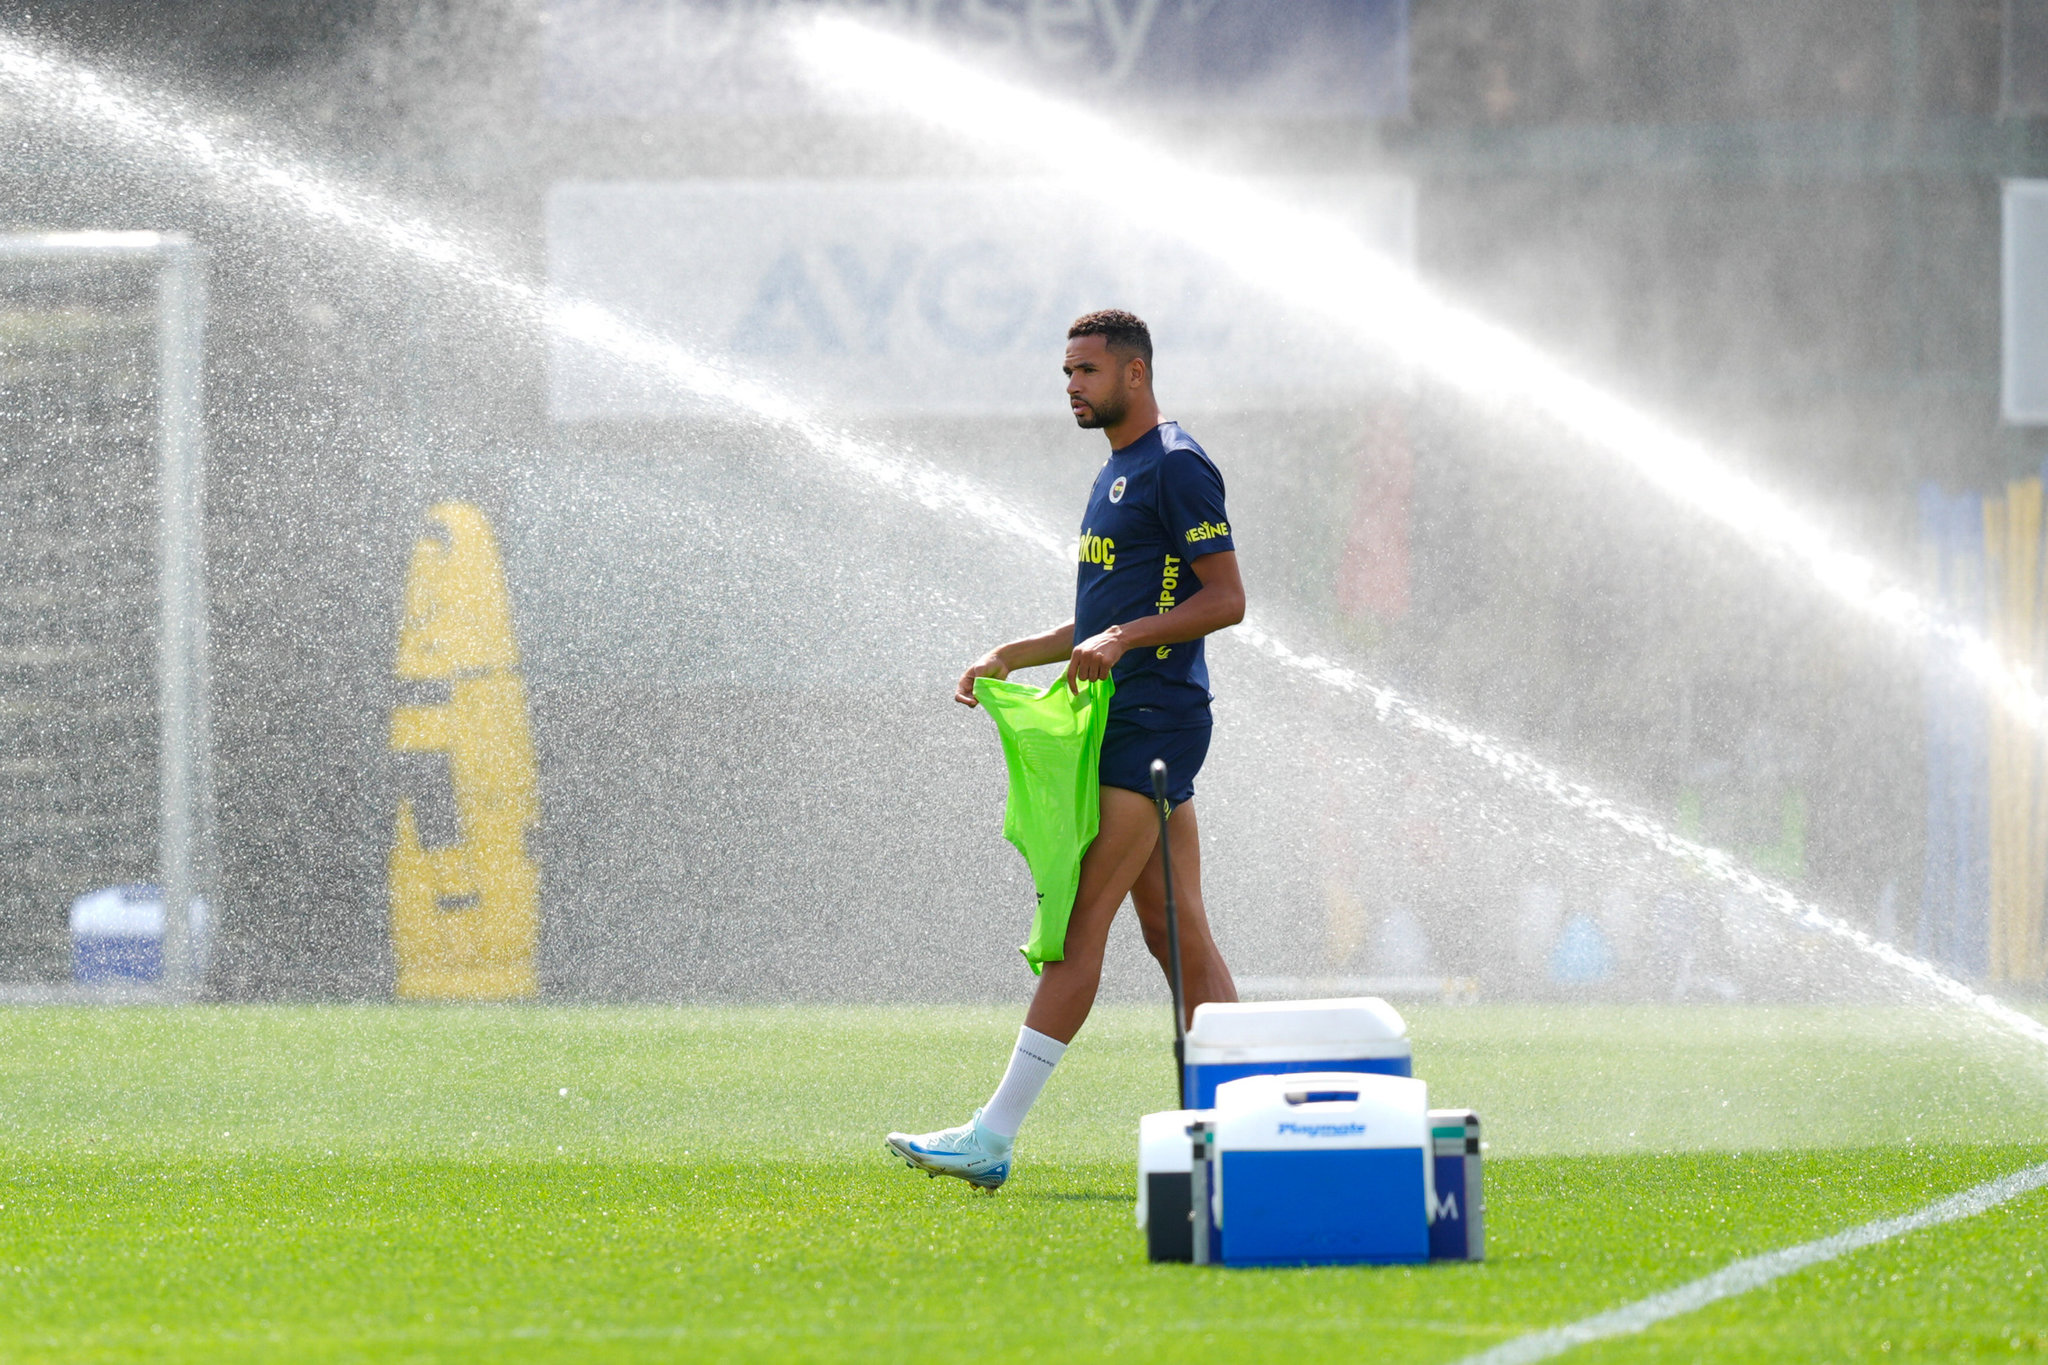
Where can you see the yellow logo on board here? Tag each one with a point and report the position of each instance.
(465, 920)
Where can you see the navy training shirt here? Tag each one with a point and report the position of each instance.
(1156, 505)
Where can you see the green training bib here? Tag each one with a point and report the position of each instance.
(1052, 743)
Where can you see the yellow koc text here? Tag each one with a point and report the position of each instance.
(1098, 550)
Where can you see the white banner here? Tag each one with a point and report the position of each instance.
(932, 296)
(2025, 390)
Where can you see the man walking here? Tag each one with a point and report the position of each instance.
(1158, 572)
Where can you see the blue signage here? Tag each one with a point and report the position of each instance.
(1276, 58)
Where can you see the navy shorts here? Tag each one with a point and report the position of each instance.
(1128, 751)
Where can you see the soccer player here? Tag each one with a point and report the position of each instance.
(1158, 572)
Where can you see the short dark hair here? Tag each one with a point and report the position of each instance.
(1124, 333)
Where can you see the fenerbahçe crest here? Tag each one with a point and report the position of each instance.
(1116, 490)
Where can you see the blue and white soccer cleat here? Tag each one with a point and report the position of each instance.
(970, 1151)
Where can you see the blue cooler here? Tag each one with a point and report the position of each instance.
(1228, 1042)
(1323, 1168)
(1457, 1225)
(117, 935)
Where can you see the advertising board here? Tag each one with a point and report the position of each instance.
(931, 296)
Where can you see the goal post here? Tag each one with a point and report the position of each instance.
(184, 788)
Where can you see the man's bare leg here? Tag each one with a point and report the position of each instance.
(1203, 971)
(979, 1150)
(1128, 835)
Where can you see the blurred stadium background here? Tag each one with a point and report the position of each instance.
(1777, 221)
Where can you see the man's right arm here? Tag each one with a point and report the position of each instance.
(1049, 647)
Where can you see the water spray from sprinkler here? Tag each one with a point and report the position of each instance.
(1311, 261)
(247, 173)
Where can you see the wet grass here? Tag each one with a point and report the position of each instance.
(337, 1185)
(655, 1083)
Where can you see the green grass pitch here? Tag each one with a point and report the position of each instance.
(475, 1184)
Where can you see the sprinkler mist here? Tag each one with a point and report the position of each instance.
(1312, 262)
(251, 177)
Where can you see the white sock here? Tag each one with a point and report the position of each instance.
(1030, 1066)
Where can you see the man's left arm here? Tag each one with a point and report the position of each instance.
(1218, 603)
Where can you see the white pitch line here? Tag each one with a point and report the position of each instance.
(1757, 1271)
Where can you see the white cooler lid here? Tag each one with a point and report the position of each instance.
(1365, 1021)
(119, 912)
(132, 911)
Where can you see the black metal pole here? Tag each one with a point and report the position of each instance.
(1180, 1031)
